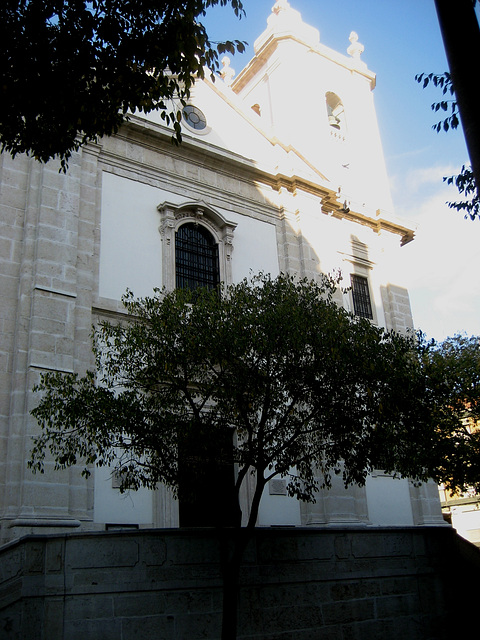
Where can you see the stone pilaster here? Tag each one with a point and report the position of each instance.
(53, 320)
(426, 506)
(396, 305)
(337, 506)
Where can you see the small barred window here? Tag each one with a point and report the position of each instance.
(362, 305)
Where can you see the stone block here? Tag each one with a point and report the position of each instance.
(355, 590)
(10, 593)
(34, 558)
(48, 493)
(196, 626)
(14, 197)
(68, 201)
(321, 633)
(396, 606)
(277, 595)
(371, 630)
(58, 235)
(201, 552)
(345, 612)
(307, 547)
(53, 619)
(52, 306)
(154, 551)
(42, 342)
(417, 628)
(6, 248)
(190, 601)
(343, 546)
(398, 585)
(52, 251)
(33, 619)
(54, 556)
(11, 624)
(12, 563)
(87, 552)
(107, 629)
(291, 616)
(133, 605)
(398, 545)
(89, 607)
(160, 628)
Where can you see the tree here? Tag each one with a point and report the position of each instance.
(465, 180)
(461, 37)
(72, 70)
(289, 383)
(452, 369)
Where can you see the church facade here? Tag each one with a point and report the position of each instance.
(281, 169)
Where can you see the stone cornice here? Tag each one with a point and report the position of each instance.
(270, 46)
(202, 152)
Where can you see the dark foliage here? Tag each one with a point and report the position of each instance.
(73, 69)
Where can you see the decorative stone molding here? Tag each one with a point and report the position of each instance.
(280, 5)
(336, 506)
(356, 48)
(172, 216)
(227, 72)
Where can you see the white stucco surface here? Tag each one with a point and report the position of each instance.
(113, 507)
(388, 501)
(130, 248)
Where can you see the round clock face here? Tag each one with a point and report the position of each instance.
(194, 117)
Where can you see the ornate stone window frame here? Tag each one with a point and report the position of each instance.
(200, 128)
(362, 303)
(359, 269)
(358, 264)
(172, 216)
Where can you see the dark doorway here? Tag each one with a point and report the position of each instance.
(206, 482)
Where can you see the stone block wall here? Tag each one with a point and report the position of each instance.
(302, 584)
(396, 303)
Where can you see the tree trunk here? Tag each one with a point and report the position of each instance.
(461, 38)
(233, 543)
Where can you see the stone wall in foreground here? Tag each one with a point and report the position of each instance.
(300, 584)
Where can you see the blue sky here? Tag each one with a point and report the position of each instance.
(401, 39)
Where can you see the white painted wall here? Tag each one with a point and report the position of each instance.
(466, 520)
(278, 510)
(131, 247)
(388, 501)
(255, 247)
(113, 507)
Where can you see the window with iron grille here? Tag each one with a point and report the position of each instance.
(362, 305)
(196, 258)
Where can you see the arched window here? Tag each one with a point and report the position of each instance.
(197, 245)
(335, 112)
(196, 258)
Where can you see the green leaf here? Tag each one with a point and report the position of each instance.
(89, 64)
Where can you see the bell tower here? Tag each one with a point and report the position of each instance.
(319, 103)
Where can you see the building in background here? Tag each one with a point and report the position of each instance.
(280, 170)
(463, 513)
